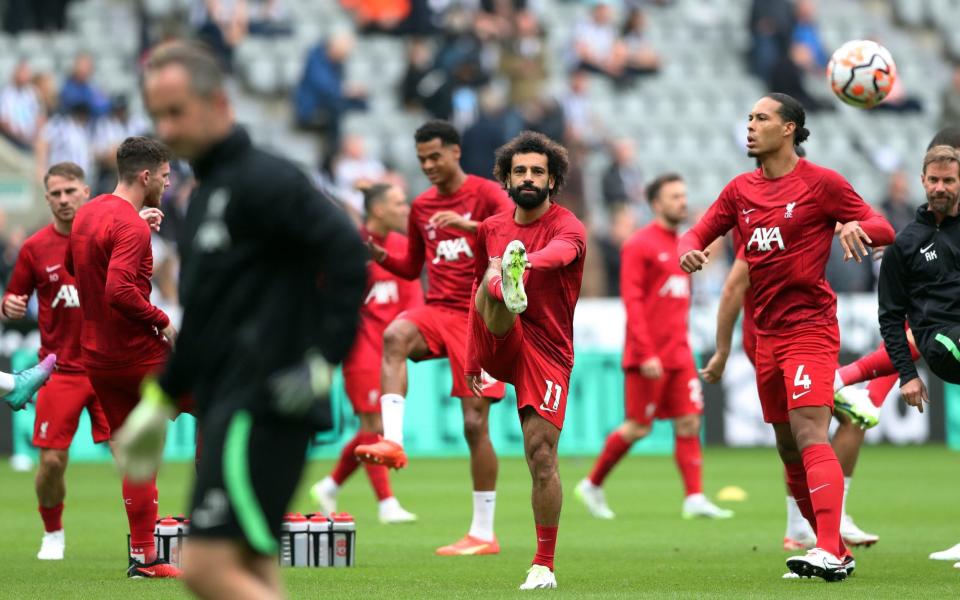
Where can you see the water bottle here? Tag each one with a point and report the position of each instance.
(344, 536)
(168, 540)
(319, 544)
(294, 549)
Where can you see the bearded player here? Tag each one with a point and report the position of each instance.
(659, 373)
(529, 343)
(386, 211)
(442, 233)
(124, 337)
(786, 212)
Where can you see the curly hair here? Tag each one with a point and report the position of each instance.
(531, 142)
(138, 153)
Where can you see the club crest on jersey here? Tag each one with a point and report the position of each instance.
(450, 250)
(676, 286)
(383, 292)
(68, 295)
(764, 239)
(789, 212)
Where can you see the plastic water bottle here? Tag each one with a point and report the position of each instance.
(319, 544)
(294, 549)
(344, 536)
(168, 541)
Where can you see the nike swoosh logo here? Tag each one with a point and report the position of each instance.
(540, 540)
(801, 394)
(53, 268)
(149, 572)
(927, 248)
(747, 212)
(819, 487)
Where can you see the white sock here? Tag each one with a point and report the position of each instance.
(388, 503)
(846, 488)
(330, 486)
(391, 410)
(484, 505)
(837, 382)
(698, 497)
(795, 519)
(7, 383)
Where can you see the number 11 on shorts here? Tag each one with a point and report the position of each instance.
(555, 390)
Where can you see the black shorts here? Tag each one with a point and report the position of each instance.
(943, 354)
(247, 473)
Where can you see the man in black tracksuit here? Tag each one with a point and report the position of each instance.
(272, 276)
(920, 280)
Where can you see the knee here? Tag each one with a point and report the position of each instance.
(474, 427)
(543, 462)
(52, 463)
(631, 431)
(687, 426)
(396, 340)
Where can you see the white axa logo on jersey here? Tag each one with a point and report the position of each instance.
(68, 295)
(765, 238)
(676, 286)
(450, 250)
(383, 292)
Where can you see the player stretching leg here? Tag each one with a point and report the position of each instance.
(39, 268)
(386, 211)
(521, 324)
(785, 212)
(124, 337)
(661, 378)
(442, 232)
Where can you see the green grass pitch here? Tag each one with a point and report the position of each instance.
(907, 495)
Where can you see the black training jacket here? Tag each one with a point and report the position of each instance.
(270, 268)
(919, 282)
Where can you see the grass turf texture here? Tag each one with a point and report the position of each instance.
(906, 495)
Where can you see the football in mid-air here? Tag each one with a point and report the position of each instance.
(861, 73)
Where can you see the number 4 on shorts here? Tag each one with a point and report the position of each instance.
(801, 380)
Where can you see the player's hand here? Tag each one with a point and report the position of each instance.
(878, 253)
(153, 217)
(138, 445)
(475, 383)
(852, 238)
(651, 368)
(15, 307)
(449, 218)
(715, 366)
(694, 260)
(914, 393)
(170, 332)
(377, 253)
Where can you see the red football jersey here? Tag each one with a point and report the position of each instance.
(448, 252)
(552, 294)
(787, 226)
(656, 294)
(386, 296)
(40, 268)
(110, 256)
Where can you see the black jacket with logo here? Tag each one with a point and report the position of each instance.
(270, 268)
(919, 282)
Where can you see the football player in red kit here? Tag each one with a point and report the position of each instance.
(442, 234)
(530, 343)
(386, 211)
(124, 337)
(68, 393)
(785, 212)
(660, 376)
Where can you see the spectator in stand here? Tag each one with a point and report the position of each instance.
(622, 226)
(641, 58)
(46, 86)
(899, 101)
(596, 43)
(462, 65)
(268, 18)
(806, 32)
(897, 207)
(545, 115)
(951, 99)
(580, 124)
(379, 16)
(849, 276)
(322, 97)
(771, 29)
(418, 86)
(622, 182)
(66, 137)
(523, 59)
(80, 89)
(353, 169)
(221, 25)
(22, 113)
(495, 126)
(108, 132)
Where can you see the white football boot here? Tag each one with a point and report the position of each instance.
(948, 554)
(594, 499)
(52, 546)
(512, 268)
(390, 512)
(817, 562)
(853, 535)
(539, 577)
(856, 404)
(697, 505)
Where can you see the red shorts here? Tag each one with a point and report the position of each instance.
(539, 382)
(363, 389)
(677, 393)
(445, 332)
(796, 369)
(750, 341)
(119, 390)
(59, 404)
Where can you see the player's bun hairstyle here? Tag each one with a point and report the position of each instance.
(437, 128)
(206, 72)
(373, 195)
(792, 111)
(531, 142)
(67, 170)
(653, 189)
(940, 154)
(948, 136)
(137, 154)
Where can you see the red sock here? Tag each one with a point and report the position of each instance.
(140, 500)
(796, 477)
(879, 388)
(689, 459)
(825, 481)
(348, 461)
(494, 287)
(378, 475)
(546, 545)
(870, 366)
(52, 517)
(613, 451)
